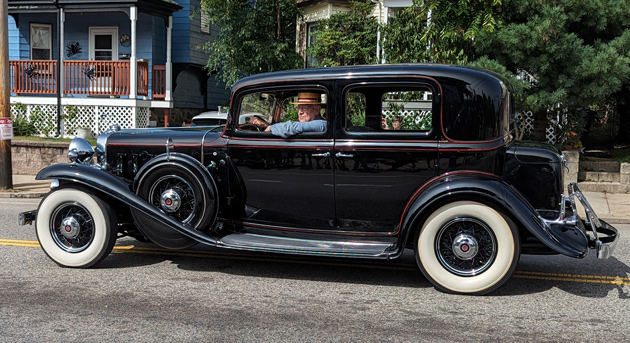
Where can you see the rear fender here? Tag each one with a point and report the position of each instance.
(93, 178)
(566, 240)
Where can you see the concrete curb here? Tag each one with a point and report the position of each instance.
(6, 195)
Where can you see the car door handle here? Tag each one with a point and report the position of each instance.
(326, 154)
(343, 155)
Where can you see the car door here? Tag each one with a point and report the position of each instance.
(379, 162)
(288, 181)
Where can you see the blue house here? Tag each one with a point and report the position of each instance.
(94, 63)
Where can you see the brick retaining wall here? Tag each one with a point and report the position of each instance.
(29, 157)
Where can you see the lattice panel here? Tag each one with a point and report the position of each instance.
(142, 117)
(44, 117)
(95, 118)
(529, 121)
(115, 115)
(78, 117)
(419, 117)
(550, 135)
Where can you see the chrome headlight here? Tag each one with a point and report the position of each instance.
(80, 151)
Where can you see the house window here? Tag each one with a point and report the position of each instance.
(41, 41)
(103, 45)
(205, 22)
(311, 34)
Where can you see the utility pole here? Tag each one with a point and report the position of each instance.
(6, 125)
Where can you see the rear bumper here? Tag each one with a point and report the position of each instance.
(602, 236)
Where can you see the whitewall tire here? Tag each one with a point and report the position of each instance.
(75, 228)
(467, 247)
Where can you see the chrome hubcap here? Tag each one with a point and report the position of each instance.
(170, 200)
(70, 227)
(465, 247)
(174, 195)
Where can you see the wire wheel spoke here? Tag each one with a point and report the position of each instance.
(72, 227)
(174, 195)
(466, 246)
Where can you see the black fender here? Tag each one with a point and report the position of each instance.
(485, 188)
(103, 182)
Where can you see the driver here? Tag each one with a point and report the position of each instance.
(310, 120)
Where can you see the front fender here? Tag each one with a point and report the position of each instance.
(566, 240)
(96, 179)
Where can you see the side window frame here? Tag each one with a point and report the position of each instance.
(286, 89)
(385, 87)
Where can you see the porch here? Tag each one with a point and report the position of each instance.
(86, 78)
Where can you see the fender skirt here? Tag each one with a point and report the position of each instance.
(106, 183)
(568, 240)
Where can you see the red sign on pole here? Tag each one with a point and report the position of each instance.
(6, 129)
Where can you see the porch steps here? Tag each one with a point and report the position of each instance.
(602, 175)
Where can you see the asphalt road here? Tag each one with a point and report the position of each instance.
(142, 293)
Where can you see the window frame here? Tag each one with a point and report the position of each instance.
(49, 42)
(103, 30)
(385, 87)
(236, 132)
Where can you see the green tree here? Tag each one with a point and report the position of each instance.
(347, 38)
(577, 51)
(440, 31)
(255, 36)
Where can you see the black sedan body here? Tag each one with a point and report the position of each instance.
(412, 156)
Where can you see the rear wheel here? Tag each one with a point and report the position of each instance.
(75, 228)
(467, 247)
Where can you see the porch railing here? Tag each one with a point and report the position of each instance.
(159, 82)
(81, 77)
(33, 76)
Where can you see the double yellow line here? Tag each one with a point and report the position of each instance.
(579, 278)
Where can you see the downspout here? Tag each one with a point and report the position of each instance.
(378, 29)
(59, 62)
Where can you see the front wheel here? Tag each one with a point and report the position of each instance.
(75, 228)
(467, 247)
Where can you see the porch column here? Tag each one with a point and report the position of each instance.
(62, 44)
(169, 66)
(133, 61)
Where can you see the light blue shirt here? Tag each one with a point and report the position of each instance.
(291, 128)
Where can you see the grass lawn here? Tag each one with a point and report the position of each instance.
(47, 139)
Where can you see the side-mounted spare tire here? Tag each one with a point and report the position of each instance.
(183, 192)
(75, 228)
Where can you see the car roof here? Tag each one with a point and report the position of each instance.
(471, 75)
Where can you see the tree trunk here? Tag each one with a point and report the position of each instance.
(623, 111)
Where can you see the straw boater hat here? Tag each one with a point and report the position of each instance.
(308, 98)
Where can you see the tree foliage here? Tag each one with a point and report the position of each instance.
(441, 31)
(576, 50)
(347, 38)
(255, 36)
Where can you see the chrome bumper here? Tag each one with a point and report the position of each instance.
(604, 237)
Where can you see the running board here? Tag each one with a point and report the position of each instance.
(257, 242)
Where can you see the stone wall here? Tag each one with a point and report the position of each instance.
(29, 157)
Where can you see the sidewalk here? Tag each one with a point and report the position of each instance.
(611, 207)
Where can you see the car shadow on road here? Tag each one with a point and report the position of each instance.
(589, 277)
(399, 273)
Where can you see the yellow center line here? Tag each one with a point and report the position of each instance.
(521, 274)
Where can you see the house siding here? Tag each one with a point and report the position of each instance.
(14, 40)
(22, 34)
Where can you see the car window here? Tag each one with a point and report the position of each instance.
(378, 109)
(256, 104)
(276, 106)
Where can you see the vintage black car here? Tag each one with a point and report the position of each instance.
(411, 157)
